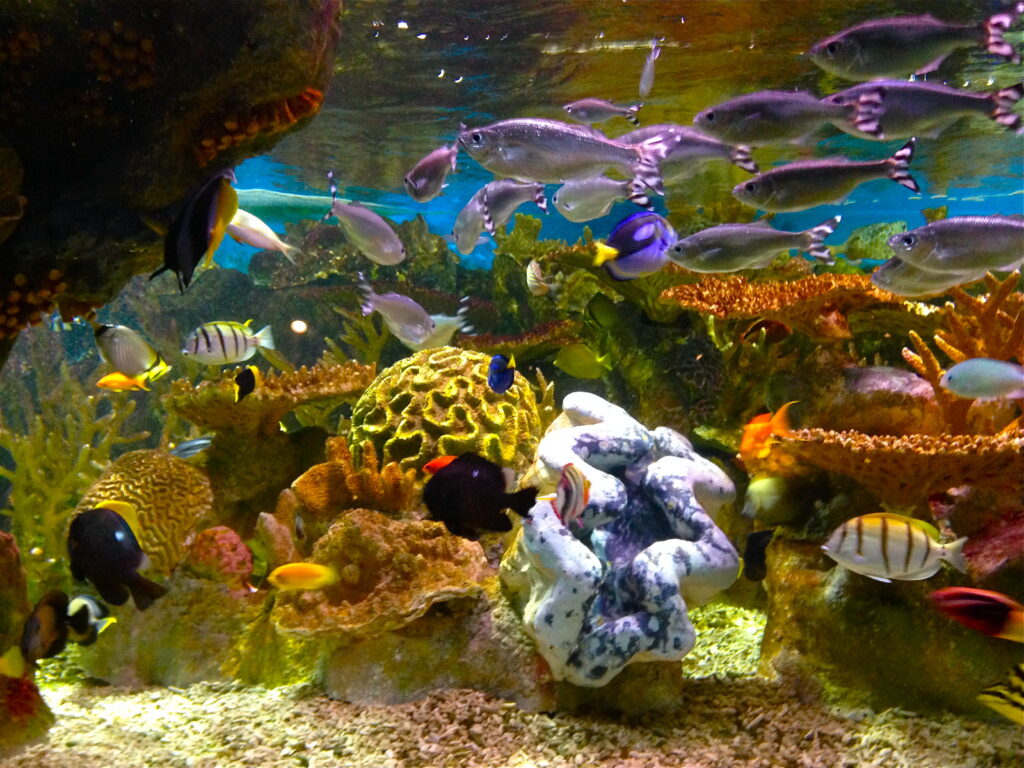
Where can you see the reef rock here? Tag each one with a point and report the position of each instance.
(878, 400)
(616, 589)
(437, 402)
(219, 554)
(14, 605)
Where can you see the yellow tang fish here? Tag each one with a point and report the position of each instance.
(303, 576)
(884, 546)
(1007, 698)
(581, 362)
(118, 382)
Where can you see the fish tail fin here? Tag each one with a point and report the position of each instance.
(604, 253)
(366, 307)
(276, 359)
(868, 111)
(900, 166)
(1005, 100)
(814, 240)
(954, 554)
(522, 501)
(631, 114)
(160, 271)
(740, 157)
(540, 199)
(290, 252)
(647, 168)
(144, 592)
(996, 25)
(462, 316)
(637, 193)
(265, 338)
(485, 211)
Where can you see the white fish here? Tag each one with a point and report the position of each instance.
(491, 207)
(129, 353)
(884, 546)
(580, 200)
(225, 342)
(896, 276)
(409, 321)
(647, 74)
(770, 117)
(572, 495)
(982, 378)
(425, 181)
(963, 244)
(251, 230)
(368, 232)
(689, 149)
(590, 111)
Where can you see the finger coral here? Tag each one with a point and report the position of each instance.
(437, 402)
(391, 573)
(817, 305)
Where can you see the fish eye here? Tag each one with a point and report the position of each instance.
(750, 187)
(908, 240)
(832, 49)
(477, 138)
(709, 116)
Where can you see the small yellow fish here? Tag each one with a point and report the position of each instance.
(581, 362)
(1007, 698)
(303, 576)
(12, 663)
(118, 382)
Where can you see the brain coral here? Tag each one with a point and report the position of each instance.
(437, 402)
(169, 494)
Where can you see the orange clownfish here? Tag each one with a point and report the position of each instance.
(118, 382)
(759, 432)
(440, 462)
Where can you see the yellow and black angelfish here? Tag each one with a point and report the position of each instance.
(246, 382)
(1007, 698)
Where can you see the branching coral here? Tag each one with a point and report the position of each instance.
(816, 305)
(364, 334)
(904, 470)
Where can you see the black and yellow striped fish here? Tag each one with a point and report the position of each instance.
(1007, 698)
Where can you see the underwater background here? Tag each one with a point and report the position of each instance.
(666, 601)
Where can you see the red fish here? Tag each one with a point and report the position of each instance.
(990, 612)
(759, 432)
(439, 463)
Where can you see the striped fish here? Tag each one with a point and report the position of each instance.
(572, 495)
(884, 546)
(536, 283)
(1007, 698)
(226, 342)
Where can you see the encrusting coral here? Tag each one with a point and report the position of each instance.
(816, 305)
(170, 497)
(219, 554)
(615, 587)
(391, 572)
(438, 402)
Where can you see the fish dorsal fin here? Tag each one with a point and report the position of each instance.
(126, 510)
(928, 528)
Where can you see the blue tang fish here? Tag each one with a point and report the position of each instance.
(500, 373)
(637, 246)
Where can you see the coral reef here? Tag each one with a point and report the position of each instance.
(617, 589)
(14, 604)
(816, 305)
(219, 554)
(438, 402)
(391, 573)
(22, 305)
(170, 496)
(538, 342)
(24, 715)
(905, 469)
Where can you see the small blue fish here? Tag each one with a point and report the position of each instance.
(501, 373)
(637, 246)
(190, 448)
(982, 378)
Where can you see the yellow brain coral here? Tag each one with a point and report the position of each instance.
(437, 402)
(169, 494)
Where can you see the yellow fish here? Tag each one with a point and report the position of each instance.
(118, 382)
(12, 663)
(1007, 698)
(303, 576)
(581, 362)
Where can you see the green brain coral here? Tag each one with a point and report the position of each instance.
(437, 402)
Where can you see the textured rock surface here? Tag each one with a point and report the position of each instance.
(437, 402)
(220, 555)
(878, 400)
(14, 605)
(617, 589)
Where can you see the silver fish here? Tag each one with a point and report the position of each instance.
(963, 244)
(252, 230)
(907, 45)
(647, 74)
(690, 149)
(368, 232)
(984, 379)
(129, 353)
(590, 111)
(190, 448)
(549, 151)
(897, 109)
(769, 117)
(896, 276)
(581, 200)
(425, 180)
(730, 247)
(808, 183)
(403, 316)
(491, 207)
(225, 342)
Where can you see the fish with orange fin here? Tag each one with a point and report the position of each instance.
(761, 431)
(118, 382)
(980, 609)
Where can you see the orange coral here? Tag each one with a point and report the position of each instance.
(905, 470)
(816, 305)
(21, 306)
(263, 119)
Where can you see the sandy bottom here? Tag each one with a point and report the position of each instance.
(723, 724)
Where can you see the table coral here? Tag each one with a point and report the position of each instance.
(391, 573)
(816, 305)
(437, 402)
(617, 589)
(906, 469)
(170, 496)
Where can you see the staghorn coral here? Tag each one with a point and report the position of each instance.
(22, 305)
(438, 402)
(391, 573)
(904, 470)
(816, 305)
(170, 496)
(211, 405)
